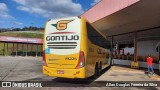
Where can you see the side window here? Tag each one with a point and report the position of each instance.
(96, 38)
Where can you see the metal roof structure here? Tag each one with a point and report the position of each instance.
(114, 17)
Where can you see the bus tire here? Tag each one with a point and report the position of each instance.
(96, 70)
(100, 67)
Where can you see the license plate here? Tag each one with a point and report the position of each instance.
(60, 71)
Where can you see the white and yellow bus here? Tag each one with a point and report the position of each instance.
(74, 49)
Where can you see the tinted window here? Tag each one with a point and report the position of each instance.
(96, 38)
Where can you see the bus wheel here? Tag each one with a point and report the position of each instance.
(100, 67)
(96, 70)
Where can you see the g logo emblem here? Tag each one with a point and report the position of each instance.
(62, 25)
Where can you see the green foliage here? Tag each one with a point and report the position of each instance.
(23, 34)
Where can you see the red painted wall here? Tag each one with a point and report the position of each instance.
(21, 40)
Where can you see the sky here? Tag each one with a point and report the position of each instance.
(21, 13)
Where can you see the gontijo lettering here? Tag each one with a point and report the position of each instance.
(64, 37)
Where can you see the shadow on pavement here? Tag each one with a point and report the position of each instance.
(65, 82)
(79, 82)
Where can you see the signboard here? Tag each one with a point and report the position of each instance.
(21, 40)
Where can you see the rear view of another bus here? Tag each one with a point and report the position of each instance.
(63, 55)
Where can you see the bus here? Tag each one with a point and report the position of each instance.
(73, 48)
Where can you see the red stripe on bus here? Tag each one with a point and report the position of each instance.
(62, 32)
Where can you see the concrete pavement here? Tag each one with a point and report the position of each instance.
(30, 69)
(21, 69)
(119, 73)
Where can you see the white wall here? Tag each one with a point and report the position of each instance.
(146, 48)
